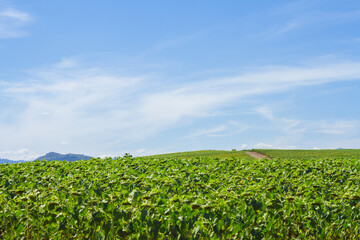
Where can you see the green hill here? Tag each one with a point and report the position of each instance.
(302, 154)
(202, 153)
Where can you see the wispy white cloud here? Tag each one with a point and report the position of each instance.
(16, 15)
(170, 43)
(20, 154)
(336, 127)
(228, 129)
(244, 147)
(294, 131)
(67, 63)
(272, 146)
(97, 111)
(263, 145)
(12, 22)
(281, 29)
(304, 14)
(265, 111)
(207, 132)
(296, 126)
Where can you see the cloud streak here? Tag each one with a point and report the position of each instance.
(207, 132)
(162, 46)
(328, 133)
(20, 154)
(12, 22)
(94, 111)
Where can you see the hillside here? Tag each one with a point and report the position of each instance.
(308, 154)
(202, 153)
(272, 153)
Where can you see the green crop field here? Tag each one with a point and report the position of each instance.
(202, 153)
(307, 154)
(172, 197)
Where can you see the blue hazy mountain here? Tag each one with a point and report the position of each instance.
(10, 161)
(51, 156)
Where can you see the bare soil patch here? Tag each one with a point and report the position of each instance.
(257, 155)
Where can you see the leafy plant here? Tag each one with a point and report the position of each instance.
(182, 198)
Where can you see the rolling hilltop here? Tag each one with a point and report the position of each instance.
(272, 153)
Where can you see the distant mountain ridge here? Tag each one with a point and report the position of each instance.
(53, 156)
(2, 160)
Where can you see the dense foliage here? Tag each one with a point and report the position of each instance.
(170, 198)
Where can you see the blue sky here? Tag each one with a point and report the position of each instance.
(107, 77)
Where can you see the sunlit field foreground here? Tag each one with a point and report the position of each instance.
(169, 197)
